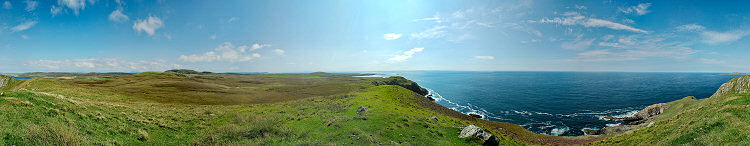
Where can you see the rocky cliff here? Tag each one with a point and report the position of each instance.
(403, 82)
(736, 85)
(6, 81)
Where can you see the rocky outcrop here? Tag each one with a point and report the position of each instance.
(403, 82)
(361, 110)
(736, 85)
(632, 122)
(477, 132)
(652, 110)
(5, 81)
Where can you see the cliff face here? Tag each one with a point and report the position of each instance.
(403, 82)
(6, 81)
(736, 85)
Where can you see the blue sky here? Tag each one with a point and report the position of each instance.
(343, 36)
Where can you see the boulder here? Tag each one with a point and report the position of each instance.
(593, 131)
(475, 115)
(475, 131)
(652, 110)
(361, 110)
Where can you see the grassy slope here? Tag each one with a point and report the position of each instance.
(716, 120)
(58, 113)
(72, 112)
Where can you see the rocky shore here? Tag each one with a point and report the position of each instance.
(642, 118)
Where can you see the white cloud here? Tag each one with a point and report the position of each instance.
(435, 18)
(712, 37)
(224, 52)
(593, 22)
(391, 36)
(24, 37)
(233, 19)
(405, 56)
(485, 57)
(31, 5)
(278, 51)
(55, 10)
(118, 16)
(626, 20)
(578, 44)
(257, 46)
(575, 19)
(636, 47)
(212, 37)
(74, 5)
(640, 9)
(580, 7)
(711, 61)
(149, 25)
(7, 5)
(594, 53)
(23, 26)
(690, 28)
(435, 32)
(98, 64)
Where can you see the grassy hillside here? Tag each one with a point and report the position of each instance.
(294, 109)
(72, 112)
(722, 119)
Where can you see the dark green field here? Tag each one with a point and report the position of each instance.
(292, 109)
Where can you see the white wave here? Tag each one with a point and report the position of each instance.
(465, 109)
(612, 125)
(559, 131)
(627, 114)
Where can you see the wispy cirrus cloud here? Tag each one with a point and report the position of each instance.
(31, 5)
(636, 47)
(431, 33)
(224, 52)
(23, 26)
(75, 5)
(713, 37)
(485, 57)
(690, 28)
(404, 56)
(640, 9)
(572, 19)
(118, 16)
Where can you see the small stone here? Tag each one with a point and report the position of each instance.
(361, 110)
(435, 118)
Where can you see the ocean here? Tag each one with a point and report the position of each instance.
(560, 103)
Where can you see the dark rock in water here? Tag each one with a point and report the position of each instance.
(593, 131)
(430, 97)
(361, 110)
(475, 131)
(475, 115)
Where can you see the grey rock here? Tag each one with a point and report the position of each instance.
(475, 131)
(435, 118)
(361, 110)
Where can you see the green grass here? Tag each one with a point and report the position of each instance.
(236, 109)
(716, 120)
(297, 76)
(65, 112)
